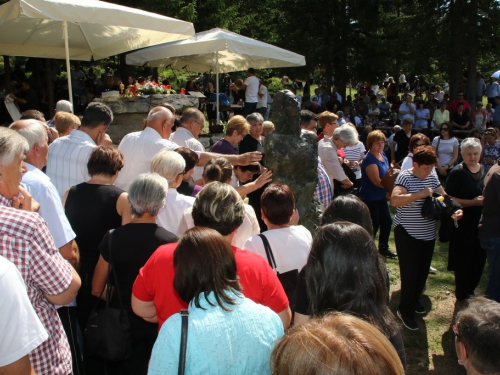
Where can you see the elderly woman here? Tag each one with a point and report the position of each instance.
(415, 235)
(237, 128)
(373, 169)
(465, 185)
(335, 344)
(446, 148)
(253, 141)
(491, 151)
(93, 208)
(220, 170)
(131, 247)
(228, 333)
(335, 139)
(171, 166)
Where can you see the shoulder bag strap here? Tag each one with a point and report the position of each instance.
(184, 333)
(437, 146)
(110, 265)
(269, 252)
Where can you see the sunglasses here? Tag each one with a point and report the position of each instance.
(444, 129)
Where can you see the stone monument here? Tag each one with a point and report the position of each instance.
(293, 157)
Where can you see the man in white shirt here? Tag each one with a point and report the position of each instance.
(20, 328)
(492, 90)
(262, 102)
(251, 85)
(407, 109)
(68, 156)
(139, 148)
(192, 122)
(41, 188)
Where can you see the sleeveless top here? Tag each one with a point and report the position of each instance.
(91, 211)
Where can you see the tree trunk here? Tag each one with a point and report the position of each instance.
(6, 62)
(50, 88)
(472, 47)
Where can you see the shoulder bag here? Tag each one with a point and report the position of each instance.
(390, 177)
(287, 279)
(107, 334)
(184, 334)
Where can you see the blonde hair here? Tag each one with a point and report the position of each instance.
(168, 164)
(268, 126)
(335, 344)
(238, 123)
(64, 120)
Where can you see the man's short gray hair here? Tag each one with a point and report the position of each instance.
(346, 134)
(11, 145)
(34, 131)
(255, 117)
(470, 143)
(147, 194)
(168, 164)
(218, 206)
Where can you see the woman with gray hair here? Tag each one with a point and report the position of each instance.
(132, 245)
(172, 166)
(465, 185)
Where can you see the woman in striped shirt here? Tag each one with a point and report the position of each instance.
(415, 235)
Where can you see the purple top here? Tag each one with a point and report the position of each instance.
(223, 147)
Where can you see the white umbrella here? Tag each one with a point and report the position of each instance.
(82, 29)
(218, 50)
(496, 74)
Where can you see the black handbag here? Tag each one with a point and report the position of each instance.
(107, 334)
(184, 334)
(287, 279)
(438, 206)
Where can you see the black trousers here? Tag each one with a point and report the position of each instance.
(467, 258)
(67, 314)
(381, 218)
(414, 261)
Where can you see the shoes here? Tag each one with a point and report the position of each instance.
(432, 270)
(388, 254)
(419, 309)
(408, 322)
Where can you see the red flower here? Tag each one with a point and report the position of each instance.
(169, 87)
(132, 88)
(165, 86)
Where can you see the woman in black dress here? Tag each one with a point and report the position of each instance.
(465, 185)
(131, 245)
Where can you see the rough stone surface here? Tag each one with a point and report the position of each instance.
(293, 158)
(141, 104)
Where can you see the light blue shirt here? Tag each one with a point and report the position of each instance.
(51, 210)
(219, 342)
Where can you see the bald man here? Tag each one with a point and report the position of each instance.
(139, 148)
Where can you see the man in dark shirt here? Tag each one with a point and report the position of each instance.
(460, 119)
(26, 98)
(402, 140)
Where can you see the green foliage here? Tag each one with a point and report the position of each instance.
(275, 85)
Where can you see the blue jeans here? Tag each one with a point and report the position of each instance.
(492, 247)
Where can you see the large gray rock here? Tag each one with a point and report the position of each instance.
(141, 104)
(293, 158)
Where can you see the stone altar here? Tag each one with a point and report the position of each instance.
(130, 112)
(293, 158)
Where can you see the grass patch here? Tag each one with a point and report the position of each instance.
(431, 349)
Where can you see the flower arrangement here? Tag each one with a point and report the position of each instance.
(149, 88)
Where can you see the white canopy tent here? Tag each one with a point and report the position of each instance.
(82, 29)
(217, 50)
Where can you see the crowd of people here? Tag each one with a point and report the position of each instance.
(165, 230)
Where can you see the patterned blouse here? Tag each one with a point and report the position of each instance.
(492, 152)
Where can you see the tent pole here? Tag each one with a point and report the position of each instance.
(217, 84)
(68, 67)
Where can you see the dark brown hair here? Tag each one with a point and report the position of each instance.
(204, 263)
(218, 169)
(425, 155)
(106, 160)
(418, 137)
(190, 157)
(277, 203)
